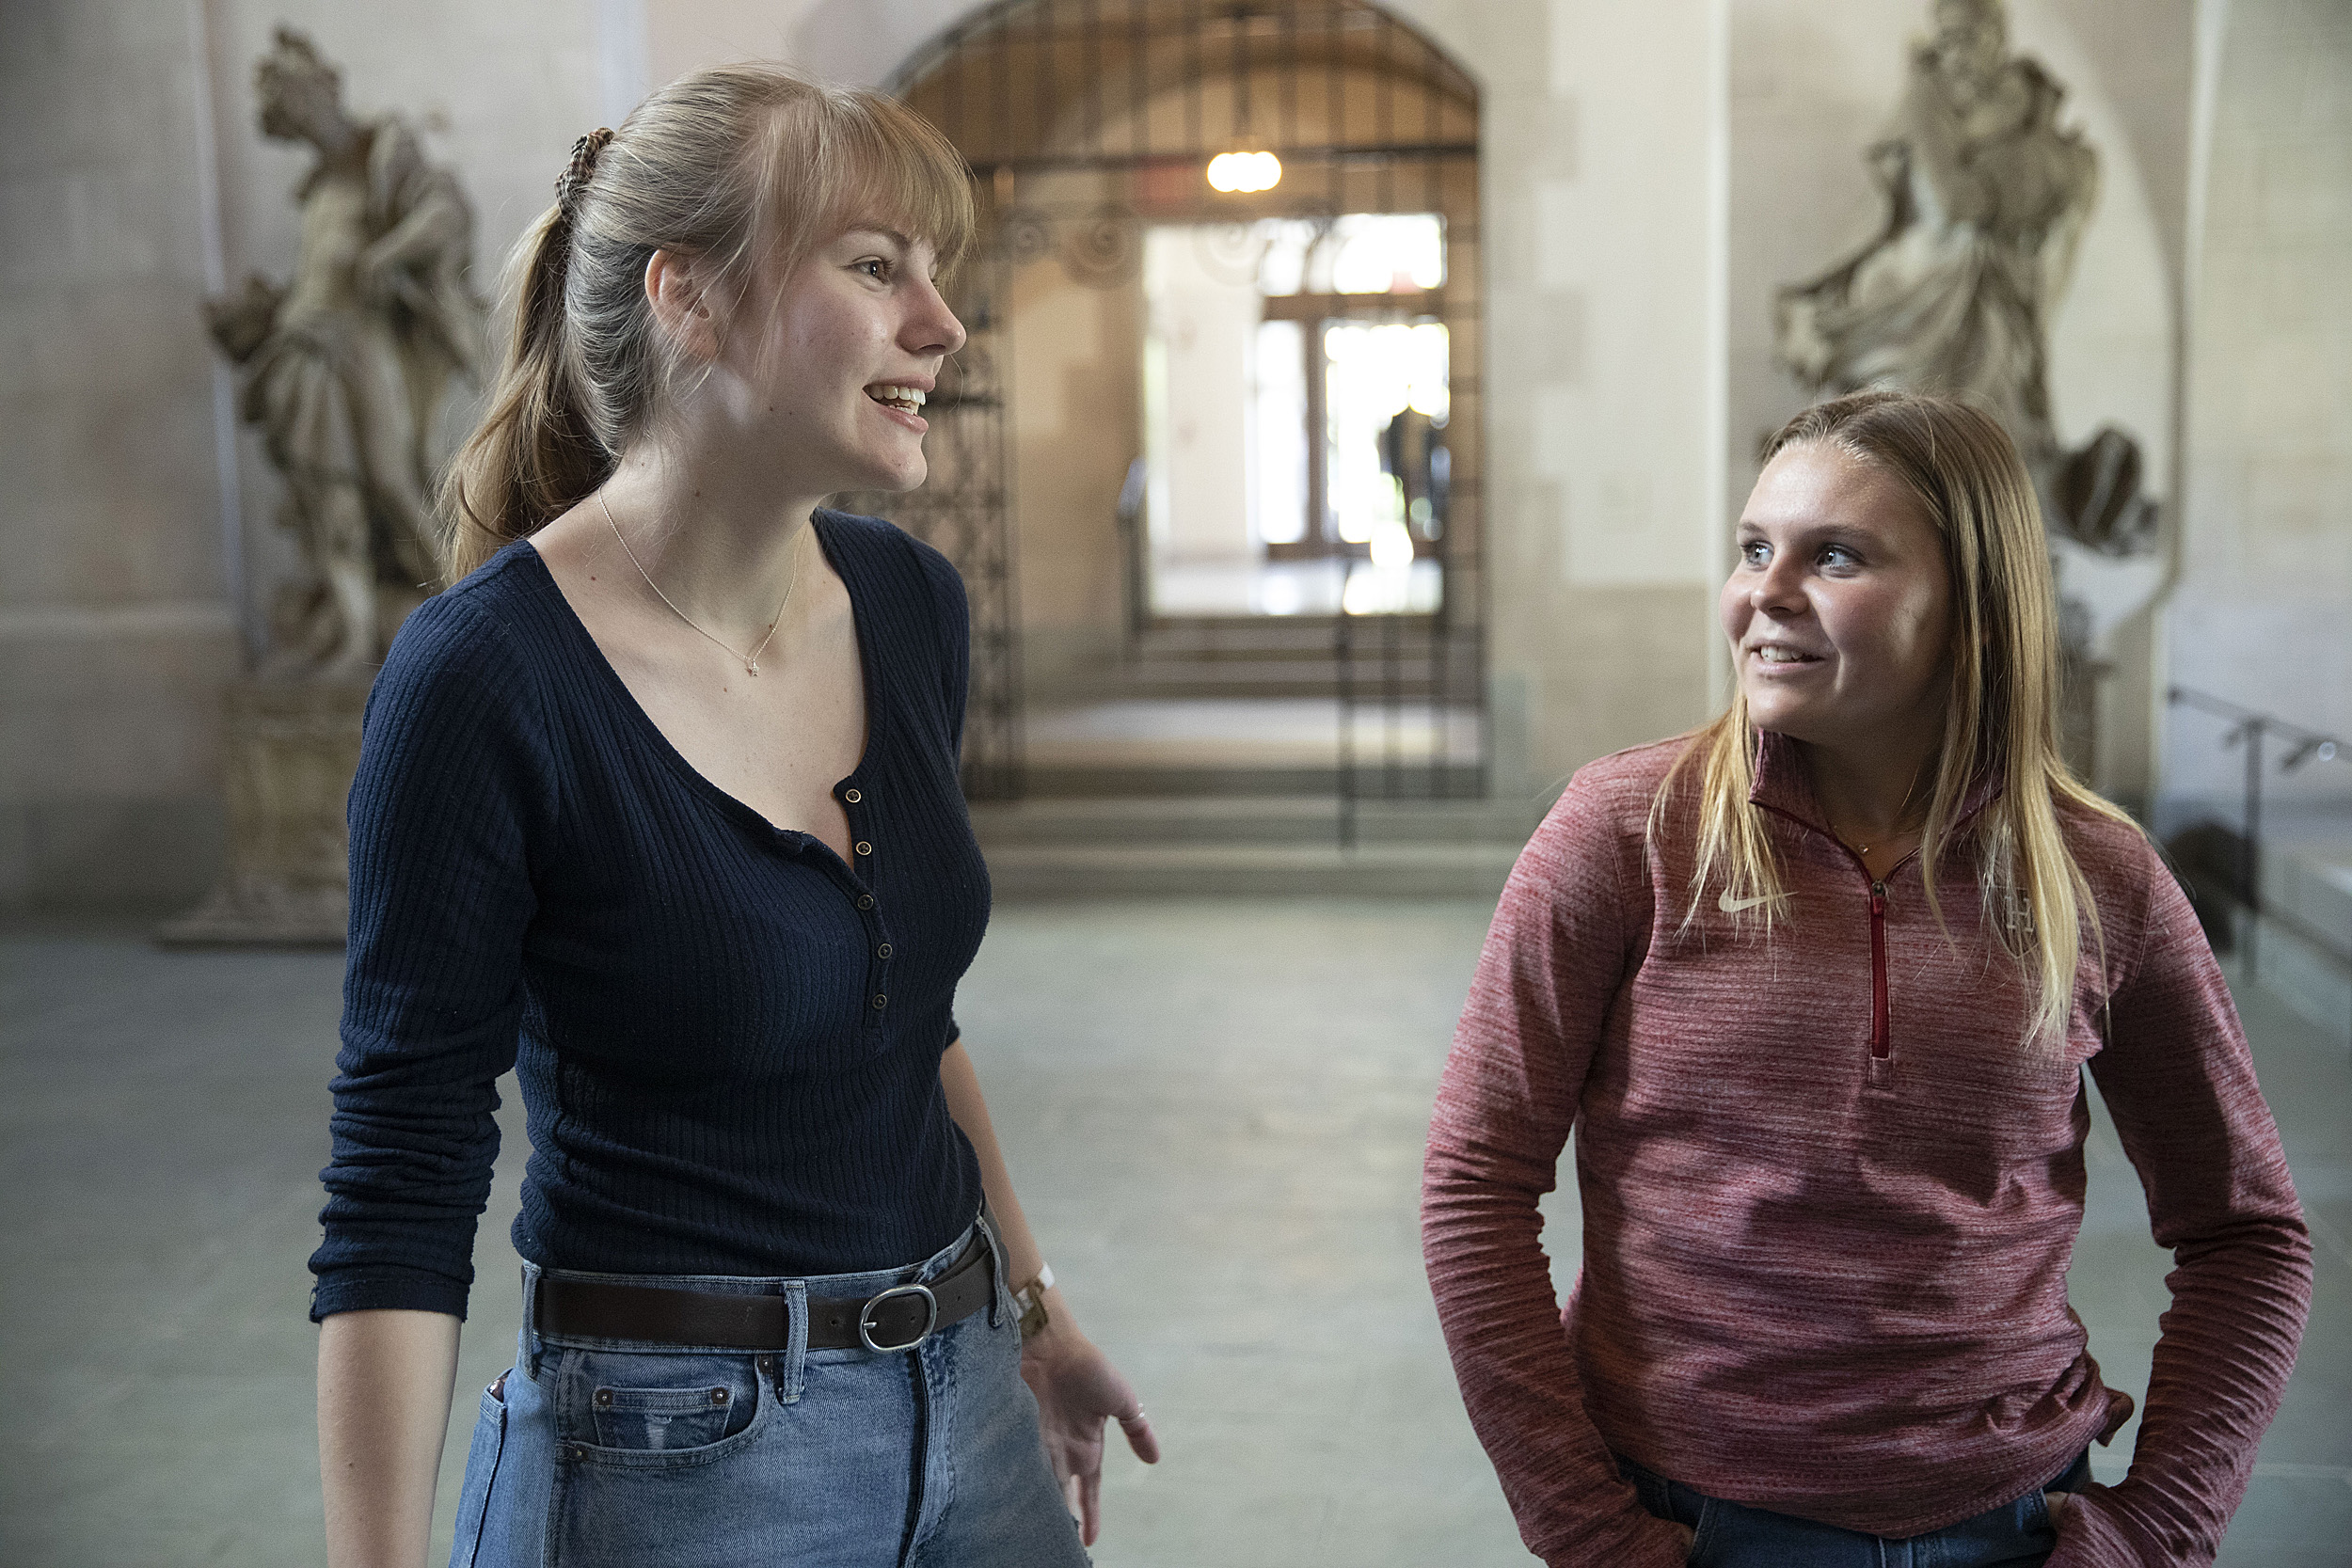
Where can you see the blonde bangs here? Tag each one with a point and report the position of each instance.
(906, 173)
(837, 158)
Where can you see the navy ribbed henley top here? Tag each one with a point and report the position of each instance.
(728, 1040)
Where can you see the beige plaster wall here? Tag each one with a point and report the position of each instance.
(116, 631)
(2262, 615)
(1076, 422)
(1601, 200)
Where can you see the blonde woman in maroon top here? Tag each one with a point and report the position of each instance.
(1814, 987)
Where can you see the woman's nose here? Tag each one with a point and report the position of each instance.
(1778, 591)
(933, 327)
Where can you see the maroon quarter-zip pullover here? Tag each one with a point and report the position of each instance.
(1830, 1194)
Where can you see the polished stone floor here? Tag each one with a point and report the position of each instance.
(1215, 1110)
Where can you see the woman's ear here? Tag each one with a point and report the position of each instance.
(674, 289)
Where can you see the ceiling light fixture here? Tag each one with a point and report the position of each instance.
(1241, 172)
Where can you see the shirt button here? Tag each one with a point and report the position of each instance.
(852, 796)
(864, 900)
(880, 1002)
(884, 951)
(863, 848)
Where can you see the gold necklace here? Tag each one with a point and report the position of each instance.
(1897, 831)
(751, 660)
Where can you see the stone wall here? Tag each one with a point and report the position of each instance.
(1075, 423)
(116, 631)
(1602, 202)
(2262, 615)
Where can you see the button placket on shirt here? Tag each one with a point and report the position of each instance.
(880, 950)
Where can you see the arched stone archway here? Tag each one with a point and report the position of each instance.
(1089, 126)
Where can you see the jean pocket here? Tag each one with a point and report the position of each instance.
(631, 1407)
(665, 1418)
(482, 1467)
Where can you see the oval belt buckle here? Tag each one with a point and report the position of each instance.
(865, 1323)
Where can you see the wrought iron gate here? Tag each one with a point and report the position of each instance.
(1084, 121)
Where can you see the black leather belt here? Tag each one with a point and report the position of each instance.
(899, 1318)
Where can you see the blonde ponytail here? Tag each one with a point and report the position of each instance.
(533, 456)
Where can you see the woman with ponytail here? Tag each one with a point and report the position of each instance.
(1814, 987)
(658, 807)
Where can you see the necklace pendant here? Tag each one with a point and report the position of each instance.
(752, 669)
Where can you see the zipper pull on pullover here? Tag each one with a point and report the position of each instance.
(1880, 1045)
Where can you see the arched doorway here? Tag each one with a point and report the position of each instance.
(1262, 472)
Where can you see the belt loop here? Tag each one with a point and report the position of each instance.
(997, 1285)
(794, 1378)
(531, 1322)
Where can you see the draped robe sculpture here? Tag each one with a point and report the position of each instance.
(1987, 196)
(347, 365)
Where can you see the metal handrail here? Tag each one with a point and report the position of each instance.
(2250, 727)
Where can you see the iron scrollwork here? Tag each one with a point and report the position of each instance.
(1102, 249)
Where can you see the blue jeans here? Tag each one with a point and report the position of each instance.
(1733, 1535)
(595, 1453)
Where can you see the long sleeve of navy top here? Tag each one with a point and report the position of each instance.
(726, 1038)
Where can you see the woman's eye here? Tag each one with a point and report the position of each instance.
(1755, 552)
(875, 267)
(1840, 557)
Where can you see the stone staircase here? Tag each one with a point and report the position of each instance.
(1250, 844)
(1276, 655)
(1212, 759)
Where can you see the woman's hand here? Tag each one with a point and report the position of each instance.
(1077, 1389)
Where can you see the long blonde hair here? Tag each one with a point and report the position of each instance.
(740, 166)
(2001, 721)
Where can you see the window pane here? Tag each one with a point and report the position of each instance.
(1277, 428)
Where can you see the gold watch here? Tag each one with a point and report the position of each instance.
(1030, 1299)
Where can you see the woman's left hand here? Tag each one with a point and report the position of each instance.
(1077, 1389)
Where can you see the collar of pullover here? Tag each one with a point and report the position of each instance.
(1785, 785)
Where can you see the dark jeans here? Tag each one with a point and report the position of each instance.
(1733, 1535)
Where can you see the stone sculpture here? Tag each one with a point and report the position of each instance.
(1987, 196)
(346, 370)
(346, 366)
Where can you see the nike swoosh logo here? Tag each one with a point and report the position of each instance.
(1729, 905)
